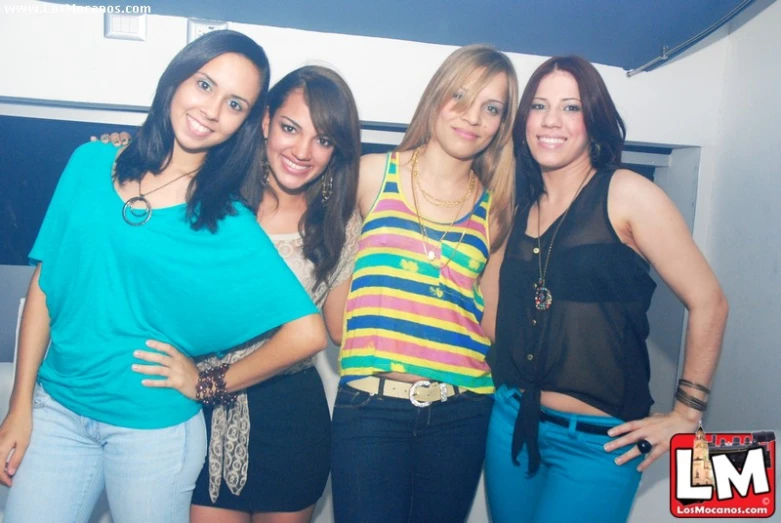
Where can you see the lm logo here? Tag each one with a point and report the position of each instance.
(722, 475)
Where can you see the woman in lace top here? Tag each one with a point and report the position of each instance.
(269, 452)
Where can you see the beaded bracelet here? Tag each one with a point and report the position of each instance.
(210, 389)
(690, 401)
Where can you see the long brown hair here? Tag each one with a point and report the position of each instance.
(604, 125)
(494, 166)
(334, 114)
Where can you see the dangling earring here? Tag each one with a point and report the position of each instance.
(265, 175)
(328, 187)
(594, 151)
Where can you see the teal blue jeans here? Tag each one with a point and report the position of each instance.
(577, 480)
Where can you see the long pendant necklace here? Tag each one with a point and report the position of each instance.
(136, 216)
(542, 294)
(428, 250)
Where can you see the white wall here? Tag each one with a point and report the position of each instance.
(721, 98)
(75, 63)
(737, 220)
(744, 244)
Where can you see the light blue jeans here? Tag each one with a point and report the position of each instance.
(577, 480)
(149, 475)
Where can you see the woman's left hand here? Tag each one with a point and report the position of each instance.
(657, 429)
(179, 371)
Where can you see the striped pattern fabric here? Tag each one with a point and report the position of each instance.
(406, 313)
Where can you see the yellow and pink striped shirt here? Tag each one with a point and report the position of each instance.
(406, 313)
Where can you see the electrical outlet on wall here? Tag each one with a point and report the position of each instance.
(197, 27)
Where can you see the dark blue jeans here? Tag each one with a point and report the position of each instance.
(392, 462)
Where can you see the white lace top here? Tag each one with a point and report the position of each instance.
(290, 247)
(229, 442)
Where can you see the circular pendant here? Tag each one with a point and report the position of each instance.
(542, 298)
(536, 250)
(136, 216)
(431, 255)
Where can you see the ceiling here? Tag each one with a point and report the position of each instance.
(623, 33)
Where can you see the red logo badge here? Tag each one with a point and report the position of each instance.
(724, 475)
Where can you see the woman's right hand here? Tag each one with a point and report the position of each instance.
(120, 139)
(15, 435)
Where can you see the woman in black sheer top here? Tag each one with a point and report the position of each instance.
(571, 420)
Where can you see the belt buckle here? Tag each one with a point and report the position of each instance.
(427, 384)
(414, 389)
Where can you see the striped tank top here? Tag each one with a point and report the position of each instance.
(408, 314)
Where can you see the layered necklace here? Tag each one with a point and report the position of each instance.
(542, 294)
(136, 216)
(428, 249)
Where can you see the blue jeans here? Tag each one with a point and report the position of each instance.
(577, 479)
(149, 475)
(392, 462)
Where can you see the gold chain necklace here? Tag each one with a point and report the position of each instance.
(542, 295)
(433, 200)
(429, 252)
(139, 216)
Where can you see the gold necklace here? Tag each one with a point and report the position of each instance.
(542, 295)
(438, 201)
(430, 253)
(136, 217)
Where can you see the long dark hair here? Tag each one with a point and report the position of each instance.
(604, 125)
(218, 182)
(334, 114)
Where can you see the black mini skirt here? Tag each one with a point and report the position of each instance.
(289, 447)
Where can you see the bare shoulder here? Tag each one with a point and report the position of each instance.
(640, 211)
(630, 192)
(373, 164)
(628, 183)
(372, 171)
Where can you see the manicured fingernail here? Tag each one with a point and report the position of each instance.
(610, 432)
(618, 461)
(136, 353)
(11, 471)
(134, 367)
(606, 446)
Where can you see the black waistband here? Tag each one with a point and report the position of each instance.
(580, 426)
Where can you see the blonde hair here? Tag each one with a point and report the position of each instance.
(495, 165)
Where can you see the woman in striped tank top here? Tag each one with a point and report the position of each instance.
(415, 396)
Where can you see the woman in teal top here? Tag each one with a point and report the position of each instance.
(152, 245)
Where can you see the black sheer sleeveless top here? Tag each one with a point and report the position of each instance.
(590, 343)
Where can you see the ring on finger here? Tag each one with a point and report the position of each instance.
(644, 446)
